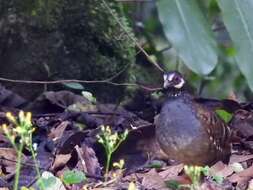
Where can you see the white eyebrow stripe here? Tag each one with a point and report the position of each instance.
(171, 76)
(165, 76)
(180, 85)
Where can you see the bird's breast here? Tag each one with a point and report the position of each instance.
(179, 129)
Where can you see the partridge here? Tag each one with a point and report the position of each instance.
(187, 130)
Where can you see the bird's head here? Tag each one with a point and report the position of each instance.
(173, 79)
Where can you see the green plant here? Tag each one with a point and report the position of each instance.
(194, 173)
(172, 184)
(89, 96)
(132, 186)
(110, 142)
(73, 177)
(224, 115)
(48, 181)
(21, 129)
(119, 166)
(188, 26)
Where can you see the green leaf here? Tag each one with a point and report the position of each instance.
(74, 85)
(172, 184)
(188, 31)
(218, 179)
(238, 19)
(155, 164)
(224, 115)
(205, 170)
(73, 177)
(89, 96)
(49, 182)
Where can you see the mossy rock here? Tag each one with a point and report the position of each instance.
(64, 39)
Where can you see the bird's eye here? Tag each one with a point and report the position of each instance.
(177, 79)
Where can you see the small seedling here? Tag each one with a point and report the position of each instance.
(119, 166)
(194, 173)
(110, 142)
(89, 96)
(132, 186)
(20, 128)
(48, 181)
(73, 177)
(172, 184)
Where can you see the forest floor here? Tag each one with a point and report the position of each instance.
(72, 136)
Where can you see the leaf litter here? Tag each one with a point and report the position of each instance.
(66, 129)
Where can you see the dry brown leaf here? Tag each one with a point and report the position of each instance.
(8, 159)
(221, 169)
(210, 186)
(105, 188)
(250, 187)
(57, 132)
(171, 171)
(60, 160)
(91, 161)
(242, 176)
(152, 180)
(240, 158)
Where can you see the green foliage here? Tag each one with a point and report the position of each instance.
(22, 129)
(89, 96)
(155, 164)
(237, 16)
(45, 12)
(74, 85)
(172, 184)
(218, 179)
(187, 24)
(110, 142)
(73, 177)
(65, 39)
(194, 173)
(187, 30)
(224, 115)
(49, 182)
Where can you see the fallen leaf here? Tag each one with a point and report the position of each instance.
(10, 99)
(221, 169)
(242, 176)
(240, 158)
(91, 161)
(57, 132)
(152, 180)
(60, 160)
(171, 171)
(8, 158)
(250, 187)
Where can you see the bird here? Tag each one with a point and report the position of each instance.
(187, 130)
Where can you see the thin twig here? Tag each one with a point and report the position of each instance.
(77, 81)
(81, 159)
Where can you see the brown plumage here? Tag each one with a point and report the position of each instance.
(188, 131)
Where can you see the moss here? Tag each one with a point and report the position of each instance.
(68, 39)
